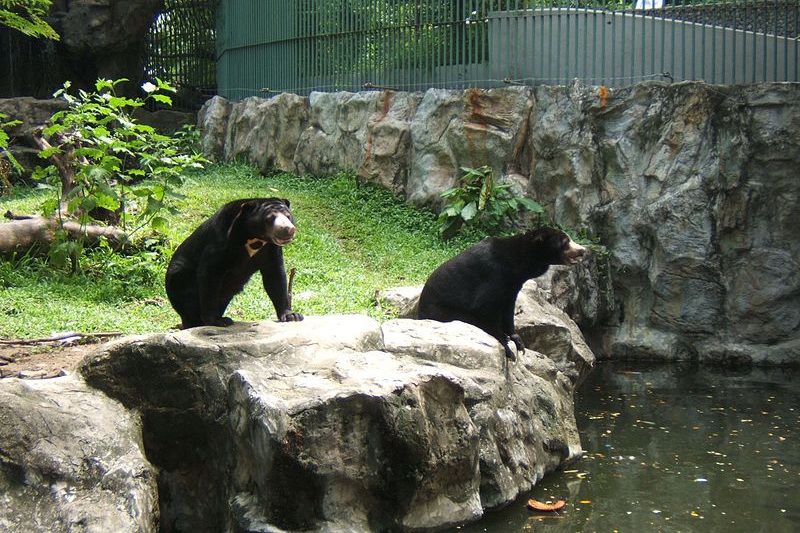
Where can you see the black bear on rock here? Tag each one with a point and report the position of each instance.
(215, 262)
(480, 285)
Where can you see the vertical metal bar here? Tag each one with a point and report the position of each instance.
(527, 42)
(473, 45)
(754, 46)
(764, 50)
(403, 35)
(631, 50)
(578, 30)
(701, 48)
(776, 32)
(455, 78)
(785, 42)
(710, 31)
(348, 45)
(604, 39)
(440, 42)
(592, 44)
(614, 19)
(358, 43)
(653, 27)
(723, 51)
(550, 59)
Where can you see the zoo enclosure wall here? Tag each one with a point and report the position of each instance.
(299, 46)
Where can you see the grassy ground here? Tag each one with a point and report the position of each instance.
(352, 240)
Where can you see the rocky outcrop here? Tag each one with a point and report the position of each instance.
(71, 460)
(691, 188)
(341, 423)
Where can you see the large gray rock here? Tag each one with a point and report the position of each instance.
(691, 188)
(336, 138)
(340, 423)
(454, 129)
(388, 143)
(72, 460)
(265, 132)
(212, 122)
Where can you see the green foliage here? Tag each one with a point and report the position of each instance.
(7, 159)
(26, 16)
(481, 203)
(188, 139)
(121, 166)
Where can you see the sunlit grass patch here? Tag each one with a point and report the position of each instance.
(352, 240)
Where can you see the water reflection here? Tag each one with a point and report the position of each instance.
(676, 448)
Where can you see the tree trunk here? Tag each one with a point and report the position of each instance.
(25, 233)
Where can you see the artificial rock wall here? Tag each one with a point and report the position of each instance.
(693, 189)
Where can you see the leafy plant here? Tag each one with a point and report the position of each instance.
(7, 159)
(26, 16)
(482, 203)
(109, 163)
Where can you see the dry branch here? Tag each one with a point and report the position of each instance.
(69, 335)
(63, 161)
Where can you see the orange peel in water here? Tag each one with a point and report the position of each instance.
(541, 506)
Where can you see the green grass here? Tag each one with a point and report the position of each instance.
(352, 240)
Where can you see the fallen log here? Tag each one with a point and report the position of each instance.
(23, 234)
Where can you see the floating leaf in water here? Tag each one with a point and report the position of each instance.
(542, 506)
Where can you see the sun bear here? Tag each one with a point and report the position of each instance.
(480, 285)
(215, 262)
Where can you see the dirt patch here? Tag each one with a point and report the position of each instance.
(41, 361)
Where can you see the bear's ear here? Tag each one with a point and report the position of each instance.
(245, 208)
(286, 201)
(534, 236)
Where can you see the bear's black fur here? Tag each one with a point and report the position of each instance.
(215, 262)
(480, 285)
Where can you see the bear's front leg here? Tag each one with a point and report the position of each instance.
(273, 277)
(290, 316)
(517, 340)
(508, 329)
(510, 354)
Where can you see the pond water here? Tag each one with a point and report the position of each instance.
(675, 448)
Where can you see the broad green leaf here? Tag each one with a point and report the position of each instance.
(161, 98)
(469, 211)
(159, 224)
(47, 152)
(530, 205)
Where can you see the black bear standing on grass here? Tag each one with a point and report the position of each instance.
(480, 285)
(215, 262)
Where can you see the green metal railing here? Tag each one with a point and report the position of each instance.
(267, 46)
(179, 48)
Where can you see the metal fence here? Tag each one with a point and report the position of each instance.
(301, 46)
(179, 49)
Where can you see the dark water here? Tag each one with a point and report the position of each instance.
(675, 448)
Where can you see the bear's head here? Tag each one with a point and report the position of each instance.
(556, 247)
(266, 219)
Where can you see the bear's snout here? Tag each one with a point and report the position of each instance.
(283, 230)
(575, 253)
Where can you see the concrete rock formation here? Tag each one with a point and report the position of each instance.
(342, 423)
(72, 460)
(692, 188)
